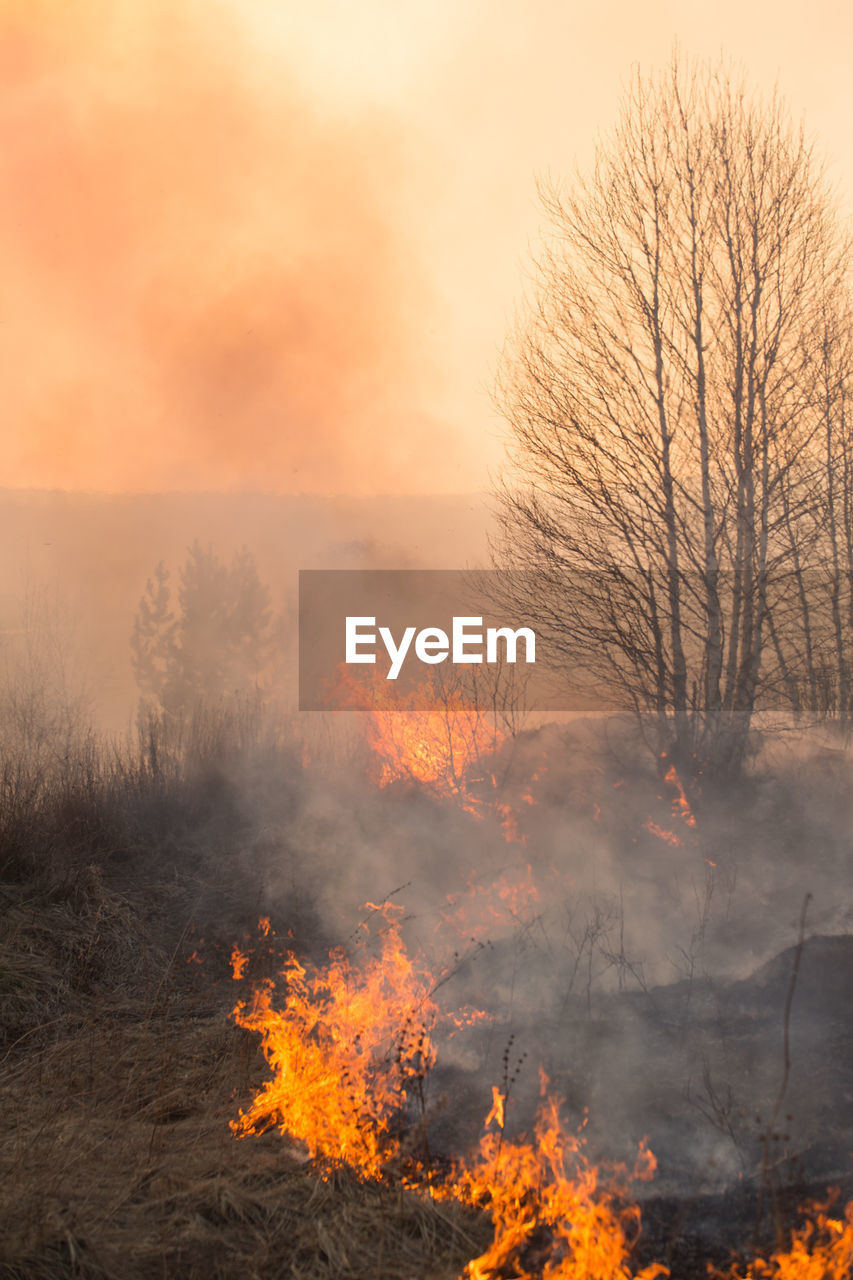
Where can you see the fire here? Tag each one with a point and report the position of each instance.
(497, 1111)
(668, 836)
(680, 805)
(435, 748)
(350, 1051)
(347, 1048)
(438, 748)
(552, 1217)
(239, 961)
(681, 810)
(508, 899)
(822, 1249)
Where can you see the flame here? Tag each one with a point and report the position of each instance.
(511, 898)
(352, 1047)
(497, 1111)
(680, 805)
(239, 961)
(345, 1049)
(353, 1044)
(434, 748)
(822, 1249)
(681, 810)
(438, 750)
(552, 1217)
(669, 836)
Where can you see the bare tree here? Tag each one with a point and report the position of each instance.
(668, 410)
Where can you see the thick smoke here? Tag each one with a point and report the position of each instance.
(211, 284)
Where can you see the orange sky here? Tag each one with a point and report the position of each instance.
(277, 246)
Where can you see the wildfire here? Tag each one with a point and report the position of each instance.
(680, 805)
(350, 1050)
(668, 836)
(552, 1217)
(509, 898)
(435, 748)
(239, 961)
(439, 749)
(349, 1045)
(822, 1249)
(681, 811)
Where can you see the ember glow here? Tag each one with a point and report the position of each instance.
(510, 898)
(680, 805)
(682, 812)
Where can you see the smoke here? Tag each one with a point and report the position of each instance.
(278, 247)
(640, 973)
(208, 281)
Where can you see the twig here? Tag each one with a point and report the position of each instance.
(786, 1072)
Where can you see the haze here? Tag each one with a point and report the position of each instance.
(278, 247)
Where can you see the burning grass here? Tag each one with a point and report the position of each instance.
(551, 1214)
(820, 1249)
(343, 1059)
(123, 1079)
(349, 1049)
(344, 1051)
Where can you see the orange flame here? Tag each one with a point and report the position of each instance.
(353, 1043)
(669, 836)
(680, 805)
(344, 1050)
(552, 1218)
(435, 748)
(348, 1047)
(822, 1249)
(512, 897)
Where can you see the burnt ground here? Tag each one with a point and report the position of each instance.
(698, 1070)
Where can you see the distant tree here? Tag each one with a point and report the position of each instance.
(214, 645)
(152, 641)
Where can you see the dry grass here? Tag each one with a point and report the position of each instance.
(118, 1162)
(119, 1066)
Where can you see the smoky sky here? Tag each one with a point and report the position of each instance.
(279, 247)
(208, 282)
